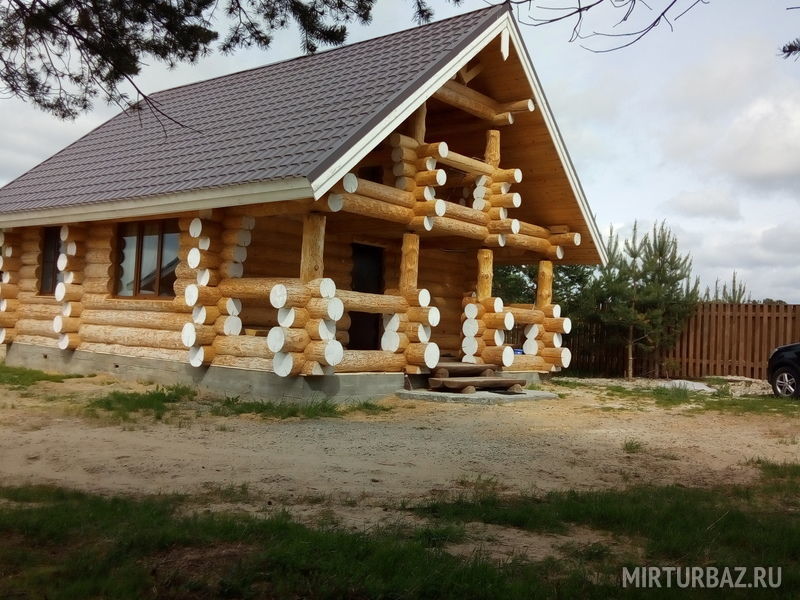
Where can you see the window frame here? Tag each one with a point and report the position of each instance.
(53, 279)
(137, 276)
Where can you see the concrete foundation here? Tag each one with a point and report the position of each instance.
(345, 388)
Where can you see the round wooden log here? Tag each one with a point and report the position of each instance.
(466, 214)
(498, 213)
(9, 305)
(393, 322)
(532, 330)
(201, 355)
(228, 325)
(11, 277)
(282, 339)
(197, 294)
(233, 253)
(409, 262)
(566, 239)
(205, 315)
(325, 308)
(373, 303)
(242, 345)
(525, 316)
(98, 270)
(230, 269)
(472, 346)
(433, 178)
(229, 306)
(197, 259)
(420, 297)
(377, 209)
(65, 324)
(492, 305)
(398, 140)
(67, 292)
(507, 200)
(527, 362)
(7, 335)
(424, 194)
(363, 361)
(8, 290)
(505, 226)
(392, 341)
(8, 319)
(473, 310)
(433, 208)
(470, 327)
(103, 302)
(494, 337)
(552, 338)
(450, 226)
(76, 249)
(530, 346)
(292, 317)
(437, 150)
(92, 285)
(208, 277)
(244, 362)
(559, 325)
(203, 228)
(377, 191)
(68, 341)
(403, 154)
(561, 357)
(418, 332)
(429, 315)
(10, 263)
(290, 293)
(498, 355)
(236, 237)
(325, 352)
(423, 354)
(132, 336)
(239, 222)
(421, 224)
(286, 364)
(502, 320)
(321, 329)
(405, 169)
(73, 277)
(194, 335)
(251, 287)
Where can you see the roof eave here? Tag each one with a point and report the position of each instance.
(204, 199)
(555, 134)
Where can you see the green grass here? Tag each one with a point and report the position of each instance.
(727, 525)
(62, 544)
(275, 410)
(22, 378)
(65, 545)
(632, 446)
(673, 396)
(567, 383)
(370, 408)
(155, 402)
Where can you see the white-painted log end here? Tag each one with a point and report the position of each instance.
(567, 325)
(350, 183)
(197, 356)
(431, 355)
(507, 357)
(434, 316)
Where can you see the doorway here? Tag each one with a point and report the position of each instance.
(365, 328)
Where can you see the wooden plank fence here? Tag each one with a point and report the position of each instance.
(719, 339)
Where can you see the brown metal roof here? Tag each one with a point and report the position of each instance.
(284, 120)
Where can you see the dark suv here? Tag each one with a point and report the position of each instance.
(783, 371)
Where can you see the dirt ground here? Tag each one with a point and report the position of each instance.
(359, 466)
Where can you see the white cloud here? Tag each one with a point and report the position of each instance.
(707, 203)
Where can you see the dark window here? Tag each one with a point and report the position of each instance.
(51, 247)
(371, 173)
(147, 254)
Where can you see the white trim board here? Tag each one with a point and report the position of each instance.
(238, 195)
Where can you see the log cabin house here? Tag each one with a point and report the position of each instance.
(335, 213)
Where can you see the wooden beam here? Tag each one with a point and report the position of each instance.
(312, 263)
(473, 102)
(418, 123)
(544, 284)
(409, 262)
(485, 273)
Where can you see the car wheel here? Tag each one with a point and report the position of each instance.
(786, 383)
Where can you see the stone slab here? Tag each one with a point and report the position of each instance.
(480, 397)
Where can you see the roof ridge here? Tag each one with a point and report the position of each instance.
(326, 51)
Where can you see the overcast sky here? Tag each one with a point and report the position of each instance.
(699, 126)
